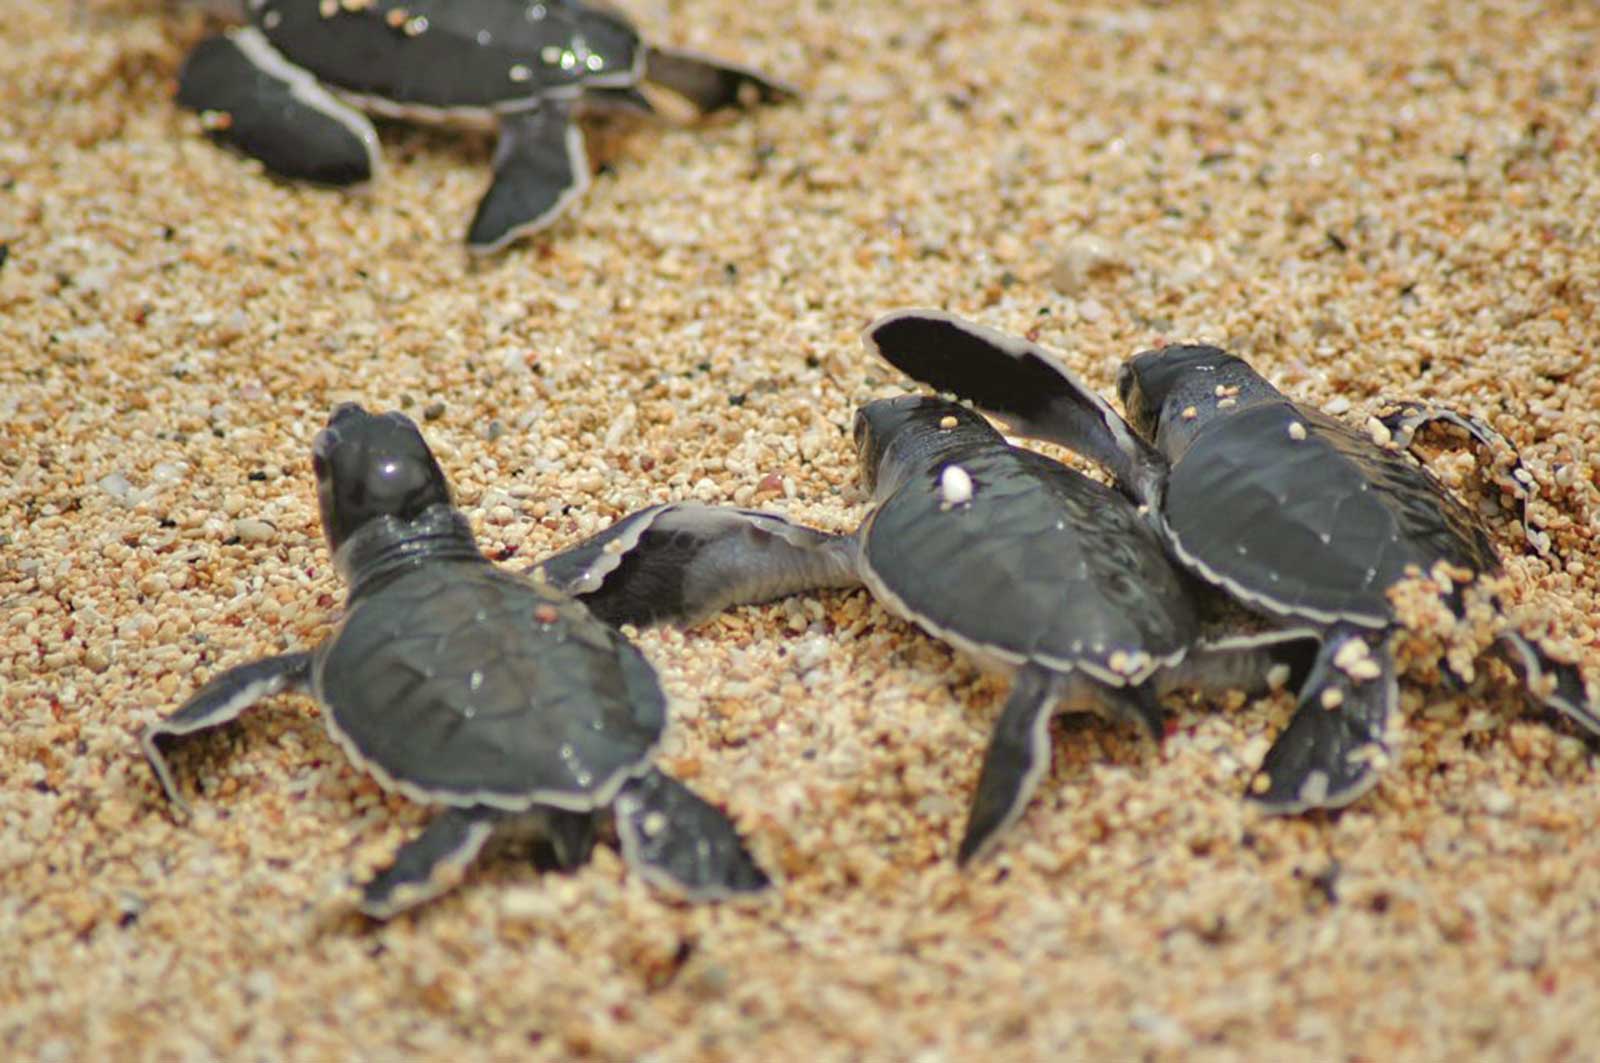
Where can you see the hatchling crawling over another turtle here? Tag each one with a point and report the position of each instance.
(1023, 563)
(1293, 513)
(460, 684)
(291, 85)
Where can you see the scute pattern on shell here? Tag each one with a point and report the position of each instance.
(470, 683)
(1042, 562)
(444, 54)
(1330, 553)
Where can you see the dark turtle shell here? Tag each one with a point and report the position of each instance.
(1040, 564)
(1303, 515)
(452, 55)
(464, 684)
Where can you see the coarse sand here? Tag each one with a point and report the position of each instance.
(1366, 199)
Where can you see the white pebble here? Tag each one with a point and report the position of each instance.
(250, 530)
(955, 486)
(1085, 256)
(169, 472)
(117, 486)
(809, 652)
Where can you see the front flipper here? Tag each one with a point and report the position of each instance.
(1569, 696)
(540, 167)
(1335, 744)
(1253, 663)
(252, 98)
(431, 863)
(679, 841)
(711, 84)
(1022, 384)
(218, 702)
(1017, 758)
(682, 562)
(1514, 479)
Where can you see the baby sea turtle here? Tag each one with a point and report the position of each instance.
(291, 85)
(1293, 513)
(463, 685)
(1026, 565)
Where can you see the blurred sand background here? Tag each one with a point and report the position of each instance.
(1366, 199)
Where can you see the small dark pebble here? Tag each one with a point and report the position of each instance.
(256, 476)
(433, 411)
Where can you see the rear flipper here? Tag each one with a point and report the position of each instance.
(253, 99)
(431, 863)
(540, 167)
(1139, 705)
(1022, 384)
(1255, 663)
(1335, 744)
(1017, 758)
(678, 841)
(682, 562)
(566, 840)
(1514, 479)
(711, 84)
(1569, 696)
(220, 701)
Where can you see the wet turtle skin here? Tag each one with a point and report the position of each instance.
(463, 685)
(1297, 515)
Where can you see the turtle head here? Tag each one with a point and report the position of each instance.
(1172, 391)
(370, 466)
(895, 437)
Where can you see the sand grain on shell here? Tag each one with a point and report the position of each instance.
(1372, 202)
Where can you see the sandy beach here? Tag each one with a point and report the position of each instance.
(1372, 201)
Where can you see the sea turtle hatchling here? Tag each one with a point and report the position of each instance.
(1296, 515)
(1023, 563)
(1028, 566)
(460, 684)
(290, 86)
